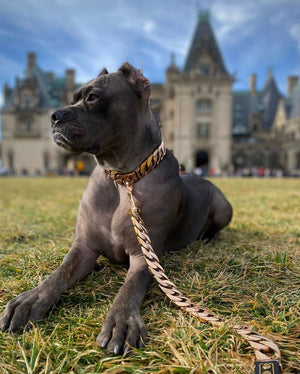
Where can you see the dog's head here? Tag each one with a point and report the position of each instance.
(105, 112)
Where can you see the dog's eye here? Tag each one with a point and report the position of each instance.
(92, 97)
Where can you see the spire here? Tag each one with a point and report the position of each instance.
(204, 15)
(270, 84)
(270, 98)
(270, 72)
(31, 61)
(173, 68)
(173, 59)
(204, 53)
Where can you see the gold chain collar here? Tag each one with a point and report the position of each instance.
(134, 176)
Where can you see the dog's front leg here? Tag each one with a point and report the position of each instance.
(124, 328)
(33, 305)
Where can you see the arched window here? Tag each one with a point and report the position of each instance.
(202, 158)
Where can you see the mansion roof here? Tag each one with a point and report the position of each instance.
(261, 104)
(49, 90)
(204, 43)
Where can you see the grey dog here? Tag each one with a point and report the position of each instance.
(111, 118)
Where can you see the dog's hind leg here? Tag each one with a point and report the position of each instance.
(220, 214)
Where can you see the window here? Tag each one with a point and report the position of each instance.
(11, 164)
(202, 130)
(257, 160)
(204, 107)
(273, 160)
(27, 102)
(25, 126)
(240, 160)
(46, 160)
(204, 69)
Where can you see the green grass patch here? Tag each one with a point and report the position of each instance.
(251, 275)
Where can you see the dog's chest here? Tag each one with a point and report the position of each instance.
(118, 231)
(103, 223)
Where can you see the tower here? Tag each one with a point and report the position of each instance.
(198, 104)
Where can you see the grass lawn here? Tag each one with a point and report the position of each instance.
(251, 275)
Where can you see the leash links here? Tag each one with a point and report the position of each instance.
(267, 367)
(261, 344)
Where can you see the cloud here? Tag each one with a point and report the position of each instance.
(294, 31)
(234, 21)
(104, 33)
(68, 34)
(149, 26)
(10, 68)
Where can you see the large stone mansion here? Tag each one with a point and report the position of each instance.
(204, 122)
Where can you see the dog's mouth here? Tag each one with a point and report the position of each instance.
(62, 141)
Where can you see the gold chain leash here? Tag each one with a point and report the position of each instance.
(266, 351)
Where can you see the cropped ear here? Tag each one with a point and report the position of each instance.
(102, 72)
(140, 84)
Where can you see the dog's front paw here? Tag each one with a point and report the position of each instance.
(28, 306)
(122, 330)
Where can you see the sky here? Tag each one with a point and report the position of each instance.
(253, 36)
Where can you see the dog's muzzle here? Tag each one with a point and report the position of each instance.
(59, 116)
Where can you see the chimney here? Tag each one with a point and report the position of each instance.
(69, 85)
(6, 91)
(292, 82)
(252, 84)
(31, 59)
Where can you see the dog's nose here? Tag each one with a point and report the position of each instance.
(58, 116)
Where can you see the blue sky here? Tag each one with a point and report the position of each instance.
(253, 35)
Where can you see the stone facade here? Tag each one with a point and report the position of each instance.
(27, 146)
(196, 117)
(287, 127)
(207, 125)
(266, 128)
(287, 137)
